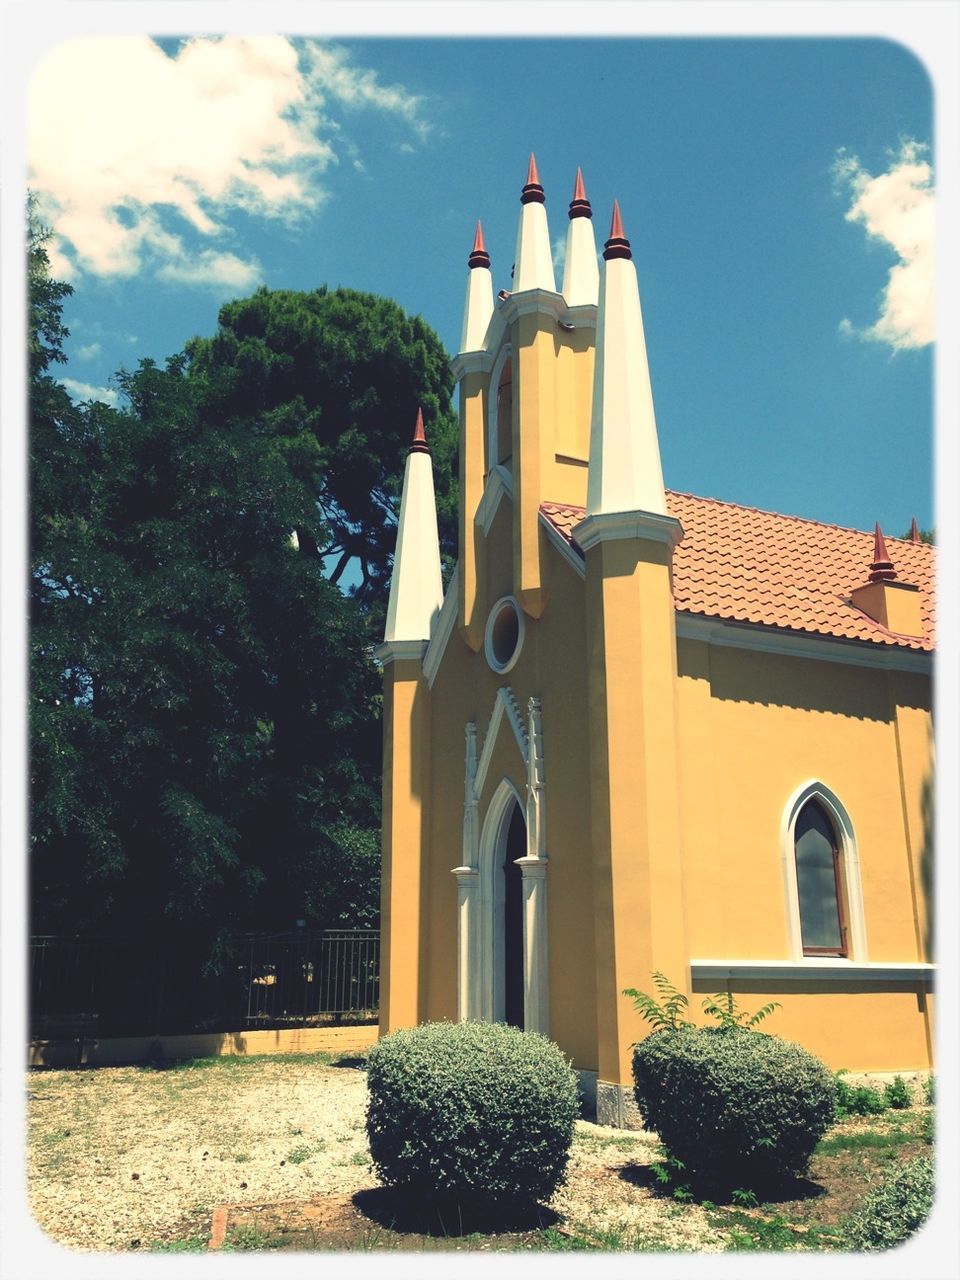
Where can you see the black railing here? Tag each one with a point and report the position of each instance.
(128, 987)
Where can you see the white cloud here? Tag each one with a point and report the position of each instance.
(87, 391)
(897, 208)
(88, 352)
(220, 270)
(559, 253)
(129, 147)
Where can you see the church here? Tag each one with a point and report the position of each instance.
(643, 730)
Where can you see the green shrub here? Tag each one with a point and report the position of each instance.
(897, 1094)
(893, 1210)
(857, 1100)
(736, 1107)
(929, 1090)
(471, 1110)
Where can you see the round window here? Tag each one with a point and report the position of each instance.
(504, 634)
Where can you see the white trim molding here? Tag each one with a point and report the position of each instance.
(487, 958)
(814, 789)
(443, 626)
(504, 706)
(766, 639)
(782, 975)
(493, 411)
(499, 482)
(610, 526)
(399, 651)
(501, 668)
(567, 550)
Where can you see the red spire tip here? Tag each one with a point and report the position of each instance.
(915, 531)
(419, 436)
(618, 246)
(580, 205)
(532, 190)
(479, 257)
(882, 569)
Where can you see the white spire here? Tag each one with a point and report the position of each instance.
(479, 304)
(625, 472)
(416, 588)
(581, 275)
(533, 265)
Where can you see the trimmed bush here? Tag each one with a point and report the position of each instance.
(738, 1108)
(894, 1210)
(471, 1110)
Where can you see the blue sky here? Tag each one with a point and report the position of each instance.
(777, 193)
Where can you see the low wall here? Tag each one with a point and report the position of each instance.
(130, 1050)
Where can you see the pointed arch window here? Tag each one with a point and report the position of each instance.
(820, 883)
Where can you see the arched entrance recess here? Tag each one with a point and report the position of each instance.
(502, 842)
(502, 921)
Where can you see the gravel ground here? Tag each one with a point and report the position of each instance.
(125, 1155)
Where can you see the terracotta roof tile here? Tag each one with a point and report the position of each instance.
(745, 565)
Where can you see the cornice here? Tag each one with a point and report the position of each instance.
(612, 526)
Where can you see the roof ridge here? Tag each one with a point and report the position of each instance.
(763, 511)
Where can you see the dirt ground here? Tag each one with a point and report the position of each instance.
(272, 1153)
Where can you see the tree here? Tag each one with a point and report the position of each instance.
(205, 740)
(335, 378)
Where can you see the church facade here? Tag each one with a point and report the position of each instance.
(642, 730)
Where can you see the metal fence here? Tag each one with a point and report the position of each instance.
(130, 987)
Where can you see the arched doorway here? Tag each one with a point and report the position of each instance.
(513, 843)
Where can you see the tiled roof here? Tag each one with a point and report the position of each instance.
(744, 565)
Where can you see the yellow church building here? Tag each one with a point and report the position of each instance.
(643, 730)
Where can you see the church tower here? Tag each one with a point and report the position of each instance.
(628, 541)
(416, 594)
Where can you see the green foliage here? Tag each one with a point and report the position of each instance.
(731, 1017)
(929, 1090)
(334, 378)
(204, 712)
(897, 1094)
(473, 1110)
(894, 1210)
(857, 1100)
(737, 1107)
(745, 1197)
(667, 1013)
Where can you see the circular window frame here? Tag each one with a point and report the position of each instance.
(501, 668)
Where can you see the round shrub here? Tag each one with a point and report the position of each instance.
(894, 1210)
(471, 1110)
(737, 1107)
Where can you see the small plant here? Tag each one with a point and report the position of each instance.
(897, 1094)
(247, 1236)
(929, 1090)
(857, 1100)
(744, 1197)
(894, 1209)
(731, 1017)
(298, 1155)
(665, 1014)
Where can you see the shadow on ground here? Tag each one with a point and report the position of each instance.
(400, 1211)
(773, 1192)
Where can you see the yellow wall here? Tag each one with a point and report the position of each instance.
(749, 728)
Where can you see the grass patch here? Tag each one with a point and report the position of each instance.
(754, 1233)
(298, 1155)
(834, 1143)
(249, 1236)
(240, 1061)
(192, 1244)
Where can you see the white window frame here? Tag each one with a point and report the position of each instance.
(814, 789)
